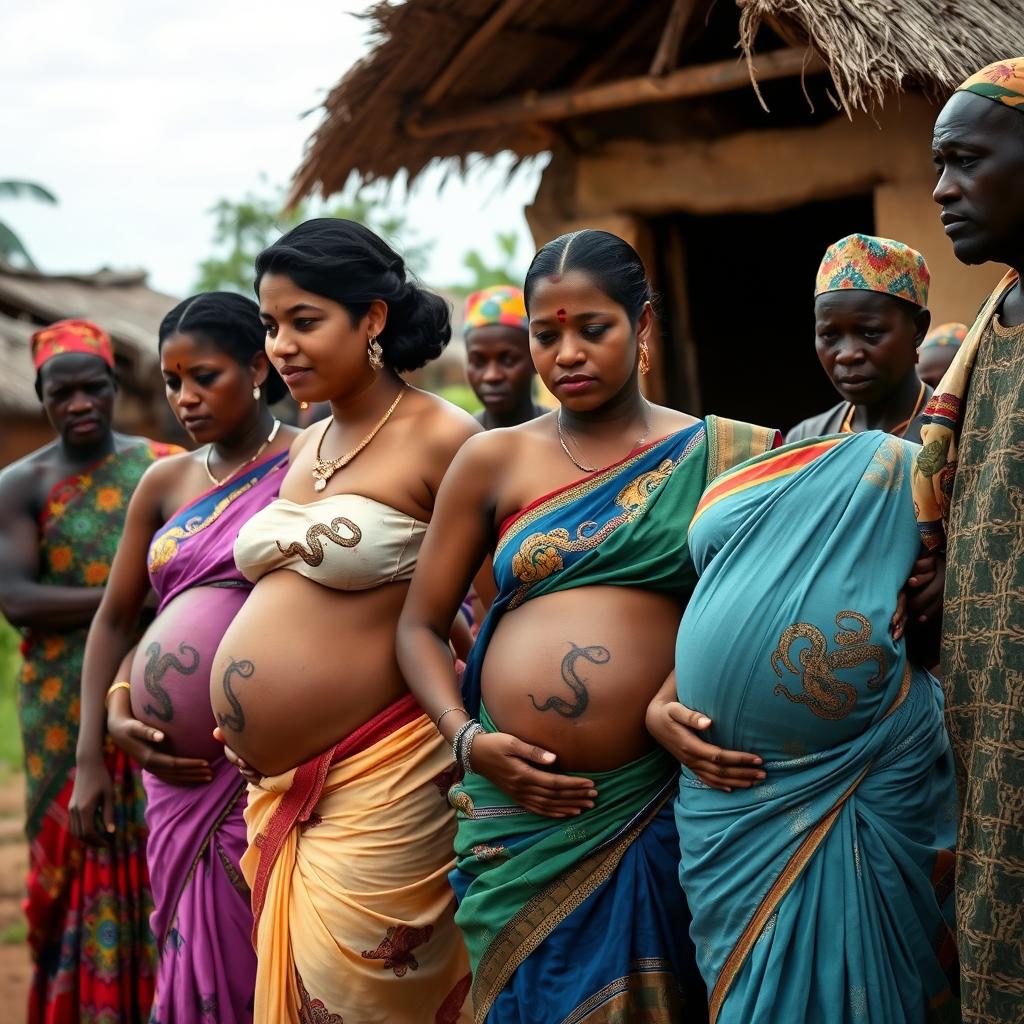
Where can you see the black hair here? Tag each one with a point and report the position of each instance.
(346, 262)
(230, 322)
(613, 263)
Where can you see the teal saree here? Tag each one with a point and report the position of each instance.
(824, 893)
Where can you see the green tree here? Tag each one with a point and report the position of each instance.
(12, 249)
(243, 228)
(505, 271)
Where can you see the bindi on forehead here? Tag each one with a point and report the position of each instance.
(560, 316)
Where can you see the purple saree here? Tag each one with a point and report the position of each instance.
(202, 918)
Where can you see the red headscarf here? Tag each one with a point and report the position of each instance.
(71, 336)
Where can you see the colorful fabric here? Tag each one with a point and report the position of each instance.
(605, 927)
(87, 907)
(936, 466)
(983, 673)
(348, 858)
(823, 893)
(202, 918)
(945, 336)
(1002, 82)
(869, 264)
(499, 304)
(71, 336)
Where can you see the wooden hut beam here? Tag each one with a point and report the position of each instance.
(667, 54)
(497, 20)
(700, 80)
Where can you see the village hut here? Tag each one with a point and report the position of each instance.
(731, 142)
(123, 305)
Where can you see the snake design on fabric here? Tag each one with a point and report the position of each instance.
(313, 553)
(236, 720)
(596, 655)
(157, 666)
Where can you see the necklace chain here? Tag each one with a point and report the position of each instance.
(562, 432)
(846, 427)
(324, 469)
(248, 462)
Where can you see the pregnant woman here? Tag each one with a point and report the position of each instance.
(350, 832)
(823, 893)
(218, 384)
(567, 853)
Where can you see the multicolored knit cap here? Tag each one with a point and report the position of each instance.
(499, 304)
(1002, 82)
(868, 264)
(71, 336)
(945, 336)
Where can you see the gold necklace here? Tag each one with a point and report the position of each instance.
(324, 469)
(248, 462)
(846, 427)
(572, 458)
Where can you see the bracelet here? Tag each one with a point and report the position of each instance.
(457, 738)
(455, 707)
(120, 685)
(467, 747)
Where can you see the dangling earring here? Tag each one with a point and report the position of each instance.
(375, 352)
(256, 392)
(645, 358)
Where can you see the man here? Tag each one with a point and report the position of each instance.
(870, 317)
(968, 485)
(938, 350)
(498, 362)
(62, 511)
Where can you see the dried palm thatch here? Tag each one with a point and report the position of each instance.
(876, 47)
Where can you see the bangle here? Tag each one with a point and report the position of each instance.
(120, 685)
(467, 747)
(454, 707)
(457, 738)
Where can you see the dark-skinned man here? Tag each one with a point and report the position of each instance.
(938, 351)
(969, 487)
(62, 510)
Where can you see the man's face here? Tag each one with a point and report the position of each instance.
(499, 367)
(77, 391)
(978, 150)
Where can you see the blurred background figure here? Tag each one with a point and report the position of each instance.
(937, 351)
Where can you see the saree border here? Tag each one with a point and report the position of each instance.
(733, 441)
(539, 917)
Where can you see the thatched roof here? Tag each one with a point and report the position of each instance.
(450, 78)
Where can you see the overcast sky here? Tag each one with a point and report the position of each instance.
(140, 116)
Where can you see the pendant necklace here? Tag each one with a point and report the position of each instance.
(248, 462)
(324, 469)
(562, 432)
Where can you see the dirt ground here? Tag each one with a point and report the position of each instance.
(14, 961)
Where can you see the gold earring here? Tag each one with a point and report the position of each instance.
(256, 392)
(645, 358)
(375, 352)
(303, 406)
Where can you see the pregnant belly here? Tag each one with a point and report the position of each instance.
(574, 672)
(171, 670)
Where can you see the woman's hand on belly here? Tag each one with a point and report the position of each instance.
(510, 764)
(140, 741)
(247, 772)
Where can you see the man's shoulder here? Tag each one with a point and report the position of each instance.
(827, 422)
(23, 481)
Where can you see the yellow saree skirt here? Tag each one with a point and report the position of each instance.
(348, 861)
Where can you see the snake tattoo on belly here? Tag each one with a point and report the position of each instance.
(596, 655)
(157, 666)
(236, 720)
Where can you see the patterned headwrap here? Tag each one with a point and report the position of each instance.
(1002, 82)
(945, 336)
(869, 264)
(71, 336)
(499, 304)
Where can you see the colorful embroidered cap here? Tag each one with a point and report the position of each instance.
(499, 304)
(1002, 81)
(945, 336)
(71, 336)
(869, 264)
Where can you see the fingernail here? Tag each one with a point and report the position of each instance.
(703, 721)
(158, 737)
(913, 581)
(762, 775)
(111, 828)
(727, 789)
(758, 760)
(589, 805)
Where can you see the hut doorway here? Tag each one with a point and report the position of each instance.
(736, 303)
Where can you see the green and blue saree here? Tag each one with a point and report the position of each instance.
(582, 920)
(824, 893)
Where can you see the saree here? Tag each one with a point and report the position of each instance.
(87, 907)
(582, 919)
(824, 892)
(348, 861)
(202, 918)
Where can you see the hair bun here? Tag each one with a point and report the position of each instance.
(419, 326)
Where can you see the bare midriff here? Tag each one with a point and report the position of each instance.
(574, 672)
(302, 666)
